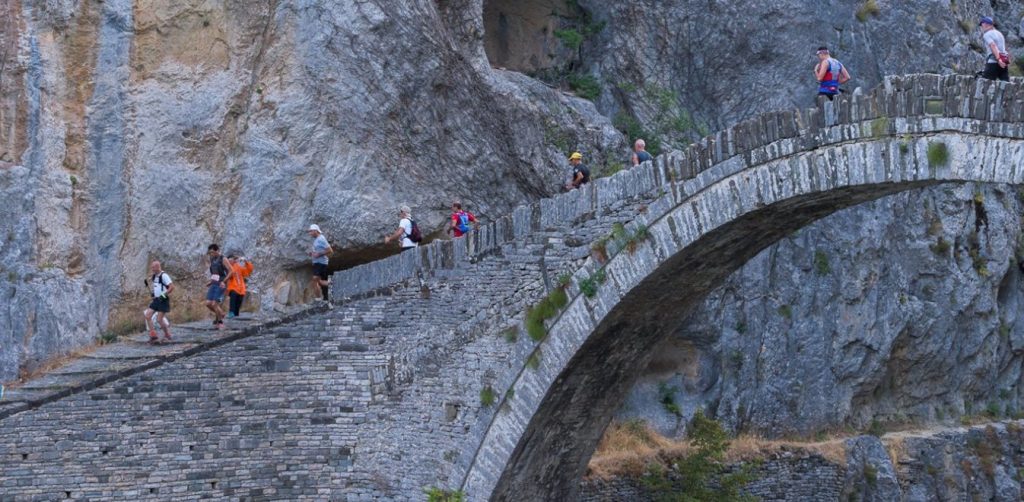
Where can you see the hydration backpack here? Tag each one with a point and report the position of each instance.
(415, 235)
(463, 218)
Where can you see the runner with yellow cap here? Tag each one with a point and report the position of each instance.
(580, 173)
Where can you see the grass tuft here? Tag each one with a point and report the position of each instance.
(938, 154)
(487, 396)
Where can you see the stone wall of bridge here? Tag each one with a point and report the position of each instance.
(388, 393)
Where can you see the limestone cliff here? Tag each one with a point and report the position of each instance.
(146, 130)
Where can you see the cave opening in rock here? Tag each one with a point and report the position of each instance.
(523, 35)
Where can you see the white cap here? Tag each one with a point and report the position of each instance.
(314, 227)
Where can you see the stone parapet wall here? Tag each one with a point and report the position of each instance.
(913, 104)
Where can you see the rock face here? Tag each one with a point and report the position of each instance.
(146, 130)
(907, 308)
(977, 463)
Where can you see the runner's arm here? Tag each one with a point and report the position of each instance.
(394, 235)
(995, 53)
(170, 288)
(231, 270)
(819, 71)
(844, 76)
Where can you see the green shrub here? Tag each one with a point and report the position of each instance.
(511, 335)
(535, 327)
(487, 397)
(667, 395)
(585, 86)
(786, 311)
(564, 280)
(992, 409)
(435, 494)
(880, 127)
(632, 129)
(870, 474)
(546, 308)
(588, 287)
(701, 473)
(941, 247)
(558, 298)
(821, 266)
(619, 233)
(108, 337)
(570, 38)
(533, 362)
(876, 428)
(938, 154)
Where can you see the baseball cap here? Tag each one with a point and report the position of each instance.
(576, 156)
(986, 20)
(314, 227)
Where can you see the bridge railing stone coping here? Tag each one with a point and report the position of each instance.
(761, 139)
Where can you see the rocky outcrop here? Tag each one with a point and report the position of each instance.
(975, 463)
(146, 130)
(917, 296)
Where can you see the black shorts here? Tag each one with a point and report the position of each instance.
(160, 304)
(994, 72)
(320, 270)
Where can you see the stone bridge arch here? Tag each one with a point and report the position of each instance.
(723, 201)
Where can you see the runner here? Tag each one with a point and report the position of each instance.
(242, 268)
(460, 220)
(220, 272)
(321, 249)
(407, 233)
(640, 154)
(997, 62)
(830, 74)
(161, 286)
(580, 172)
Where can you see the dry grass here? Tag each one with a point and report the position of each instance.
(626, 449)
(125, 319)
(49, 365)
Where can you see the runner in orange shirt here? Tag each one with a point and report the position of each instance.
(236, 282)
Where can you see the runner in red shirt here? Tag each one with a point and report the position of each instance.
(461, 220)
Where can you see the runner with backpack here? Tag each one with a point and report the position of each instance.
(830, 74)
(161, 286)
(408, 233)
(460, 220)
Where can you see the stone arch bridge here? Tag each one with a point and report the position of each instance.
(427, 376)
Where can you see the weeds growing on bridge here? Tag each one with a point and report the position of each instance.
(589, 285)
(487, 396)
(534, 361)
(880, 127)
(435, 494)
(938, 154)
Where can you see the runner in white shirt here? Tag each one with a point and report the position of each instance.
(404, 232)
